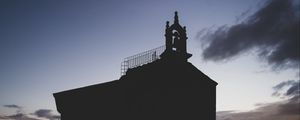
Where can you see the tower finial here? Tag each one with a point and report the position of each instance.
(176, 17)
(167, 24)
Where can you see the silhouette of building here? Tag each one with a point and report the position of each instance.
(167, 87)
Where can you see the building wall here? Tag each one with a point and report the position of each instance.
(154, 92)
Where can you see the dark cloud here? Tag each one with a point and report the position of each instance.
(283, 84)
(272, 31)
(280, 86)
(287, 109)
(12, 106)
(293, 88)
(46, 113)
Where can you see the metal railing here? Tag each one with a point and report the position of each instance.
(141, 59)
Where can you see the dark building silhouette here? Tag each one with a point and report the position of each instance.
(166, 88)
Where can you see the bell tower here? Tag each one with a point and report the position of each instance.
(175, 41)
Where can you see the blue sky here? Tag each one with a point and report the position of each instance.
(51, 46)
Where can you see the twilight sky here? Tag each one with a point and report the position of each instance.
(248, 46)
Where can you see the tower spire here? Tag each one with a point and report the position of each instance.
(176, 17)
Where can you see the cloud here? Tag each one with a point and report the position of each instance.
(287, 109)
(12, 106)
(292, 105)
(46, 113)
(2, 117)
(267, 112)
(272, 31)
(37, 115)
(18, 116)
(17, 107)
(292, 90)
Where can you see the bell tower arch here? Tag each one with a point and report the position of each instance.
(176, 40)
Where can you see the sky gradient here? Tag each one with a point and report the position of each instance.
(48, 46)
